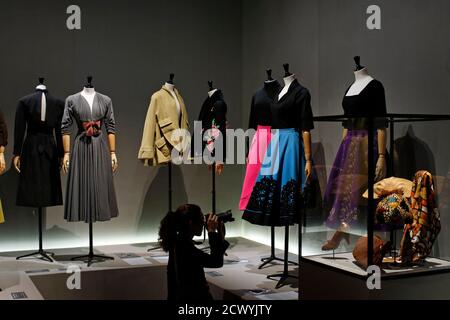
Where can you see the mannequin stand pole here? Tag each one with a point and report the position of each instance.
(213, 202)
(91, 257)
(273, 257)
(285, 275)
(170, 192)
(43, 255)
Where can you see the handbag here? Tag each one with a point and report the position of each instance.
(380, 248)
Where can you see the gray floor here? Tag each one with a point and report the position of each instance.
(138, 274)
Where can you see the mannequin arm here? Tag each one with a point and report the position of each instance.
(112, 148)
(66, 146)
(344, 134)
(2, 160)
(307, 146)
(382, 142)
(381, 168)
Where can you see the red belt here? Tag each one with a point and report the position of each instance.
(92, 128)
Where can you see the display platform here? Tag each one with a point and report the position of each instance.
(346, 262)
(319, 283)
(138, 274)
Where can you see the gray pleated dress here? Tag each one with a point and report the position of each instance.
(90, 194)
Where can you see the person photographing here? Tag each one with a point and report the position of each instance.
(185, 271)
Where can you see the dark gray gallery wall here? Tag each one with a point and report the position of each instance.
(130, 47)
(410, 55)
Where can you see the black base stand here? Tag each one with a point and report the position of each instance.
(273, 258)
(41, 254)
(285, 274)
(170, 191)
(91, 258)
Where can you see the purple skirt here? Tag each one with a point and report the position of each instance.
(348, 180)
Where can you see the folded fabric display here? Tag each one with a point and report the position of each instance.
(423, 225)
(389, 186)
(393, 209)
(411, 205)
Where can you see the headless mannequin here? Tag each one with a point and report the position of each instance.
(89, 94)
(362, 80)
(39, 87)
(211, 93)
(219, 166)
(306, 135)
(171, 88)
(287, 84)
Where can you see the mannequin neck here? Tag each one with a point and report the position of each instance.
(288, 80)
(211, 93)
(41, 87)
(88, 91)
(169, 87)
(361, 74)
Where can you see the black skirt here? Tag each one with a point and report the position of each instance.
(40, 180)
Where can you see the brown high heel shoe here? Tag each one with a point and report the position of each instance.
(338, 236)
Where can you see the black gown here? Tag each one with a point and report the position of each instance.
(39, 145)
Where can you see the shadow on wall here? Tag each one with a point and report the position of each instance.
(411, 155)
(21, 223)
(156, 201)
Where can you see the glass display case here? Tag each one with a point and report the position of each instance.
(395, 218)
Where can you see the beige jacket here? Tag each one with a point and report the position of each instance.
(161, 122)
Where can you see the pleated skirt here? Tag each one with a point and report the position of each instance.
(276, 196)
(90, 195)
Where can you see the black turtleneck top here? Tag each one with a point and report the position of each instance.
(293, 110)
(260, 114)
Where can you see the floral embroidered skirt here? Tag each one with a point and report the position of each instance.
(276, 196)
(348, 180)
(256, 155)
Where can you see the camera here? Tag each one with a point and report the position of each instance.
(224, 217)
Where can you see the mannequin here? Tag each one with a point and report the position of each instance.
(3, 142)
(288, 79)
(211, 89)
(213, 117)
(348, 177)
(274, 198)
(362, 80)
(89, 94)
(41, 85)
(170, 86)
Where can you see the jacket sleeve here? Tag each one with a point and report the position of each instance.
(110, 120)
(3, 131)
(306, 122)
(147, 151)
(67, 119)
(218, 249)
(19, 129)
(58, 134)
